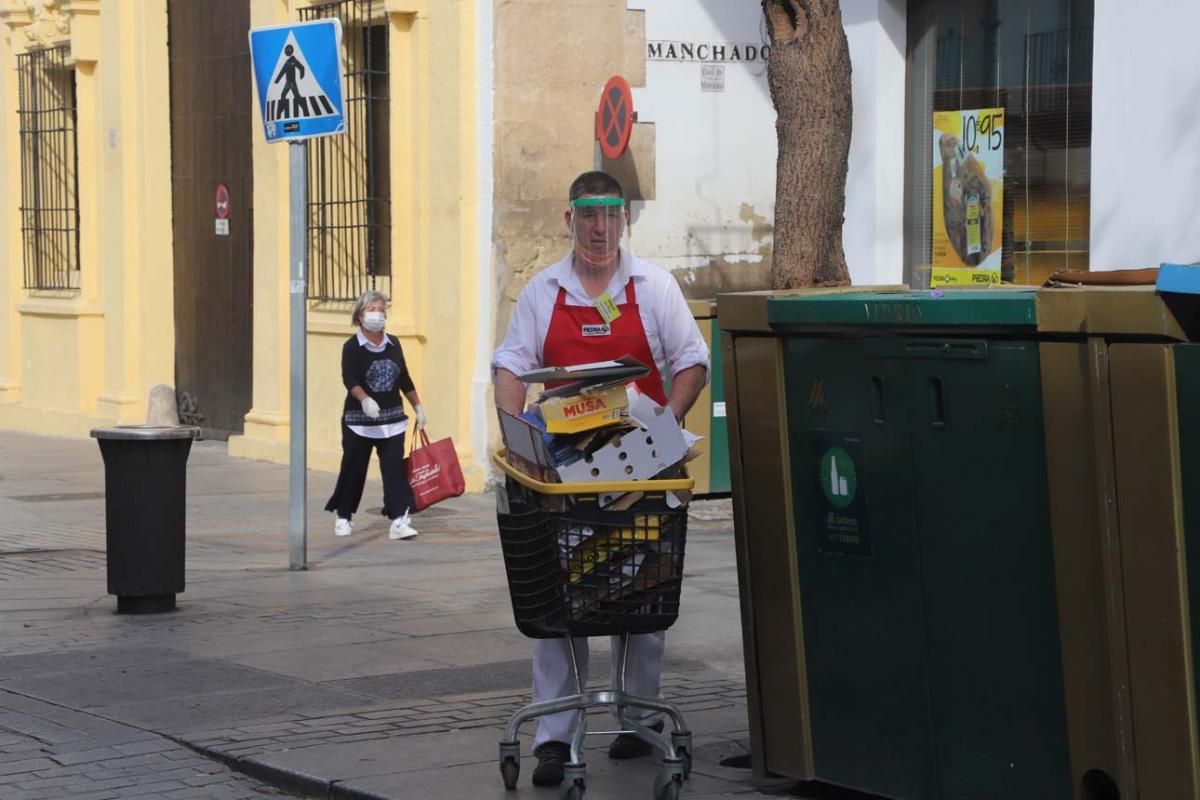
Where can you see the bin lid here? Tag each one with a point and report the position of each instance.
(1124, 312)
(702, 309)
(1118, 311)
(993, 308)
(147, 432)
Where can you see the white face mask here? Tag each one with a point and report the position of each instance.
(374, 321)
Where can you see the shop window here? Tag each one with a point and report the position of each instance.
(1033, 60)
(349, 190)
(49, 169)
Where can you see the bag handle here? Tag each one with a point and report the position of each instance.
(420, 440)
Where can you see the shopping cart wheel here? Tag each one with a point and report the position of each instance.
(682, 742)
(510, 763)
(574, 783)
(669, 784)
(510, 770)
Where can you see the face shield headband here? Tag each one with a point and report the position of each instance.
(598, 229)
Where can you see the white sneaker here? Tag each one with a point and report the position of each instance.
(341, 527)
(401, 529)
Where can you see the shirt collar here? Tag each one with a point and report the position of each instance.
(363, 341)
(563, 274)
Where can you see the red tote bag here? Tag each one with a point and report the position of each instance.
(433, 471)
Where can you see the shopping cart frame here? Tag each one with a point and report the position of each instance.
(676, 748)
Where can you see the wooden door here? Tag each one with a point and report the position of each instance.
(211, 148)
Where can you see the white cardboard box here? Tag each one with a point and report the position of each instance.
(639, 455)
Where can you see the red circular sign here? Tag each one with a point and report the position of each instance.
(614, 117)
(222, 201)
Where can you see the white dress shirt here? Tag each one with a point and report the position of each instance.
(675, 340)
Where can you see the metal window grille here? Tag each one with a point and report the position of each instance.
(349, 223)
(49, 169)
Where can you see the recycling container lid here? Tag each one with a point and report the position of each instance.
(147, 432)
(995, 308)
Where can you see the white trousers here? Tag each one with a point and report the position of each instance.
(553, 678)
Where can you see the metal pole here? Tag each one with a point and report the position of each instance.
(298, 457)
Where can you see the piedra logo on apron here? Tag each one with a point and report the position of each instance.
(596, 330)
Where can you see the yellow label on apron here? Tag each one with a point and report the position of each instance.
(607, 308)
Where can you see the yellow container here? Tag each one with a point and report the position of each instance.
(597, 487)
(585, 411)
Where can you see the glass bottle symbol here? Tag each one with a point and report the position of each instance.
(838, 485)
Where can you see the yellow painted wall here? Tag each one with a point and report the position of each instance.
(433, 285)
(10, 219)
(71, 360)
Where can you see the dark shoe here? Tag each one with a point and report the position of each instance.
(626, 745)
(550, 757)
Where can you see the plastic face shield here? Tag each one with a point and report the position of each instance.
(598, 229)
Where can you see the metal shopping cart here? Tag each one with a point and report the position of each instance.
(577, 569)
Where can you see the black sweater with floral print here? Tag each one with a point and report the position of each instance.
(383, 376)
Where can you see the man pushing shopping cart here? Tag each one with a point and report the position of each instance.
(606, 557)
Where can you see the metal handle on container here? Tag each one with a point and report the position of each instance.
(946, 348)
(956, 349)
(937, 394)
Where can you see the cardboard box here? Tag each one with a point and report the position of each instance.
(637, 455)
(645, 443)
(585, 411)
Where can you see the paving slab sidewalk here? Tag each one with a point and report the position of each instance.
(385, 670)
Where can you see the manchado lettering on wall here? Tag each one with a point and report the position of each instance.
(716, 52)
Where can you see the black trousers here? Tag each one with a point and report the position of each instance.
(356, 456)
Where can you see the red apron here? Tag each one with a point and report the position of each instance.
(578, 335)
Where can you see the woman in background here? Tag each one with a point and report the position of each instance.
(373, 418)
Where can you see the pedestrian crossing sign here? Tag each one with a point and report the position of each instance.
(298, 71)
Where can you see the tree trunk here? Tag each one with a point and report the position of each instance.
(809, 75)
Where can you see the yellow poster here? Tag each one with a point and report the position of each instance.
(968, 196)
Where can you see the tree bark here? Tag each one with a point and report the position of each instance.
(809, 75)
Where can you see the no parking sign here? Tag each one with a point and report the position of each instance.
(614, 117)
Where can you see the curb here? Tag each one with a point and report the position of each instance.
(285, 779)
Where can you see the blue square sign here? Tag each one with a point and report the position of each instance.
(298, 72)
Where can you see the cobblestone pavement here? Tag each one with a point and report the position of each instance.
(428, 715)
(385, 670)
(48, 752)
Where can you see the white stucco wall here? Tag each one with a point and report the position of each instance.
(715, 151)
(1145, 159)
(874, 230)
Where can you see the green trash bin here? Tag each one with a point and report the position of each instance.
(967, 528)
(922, 543)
